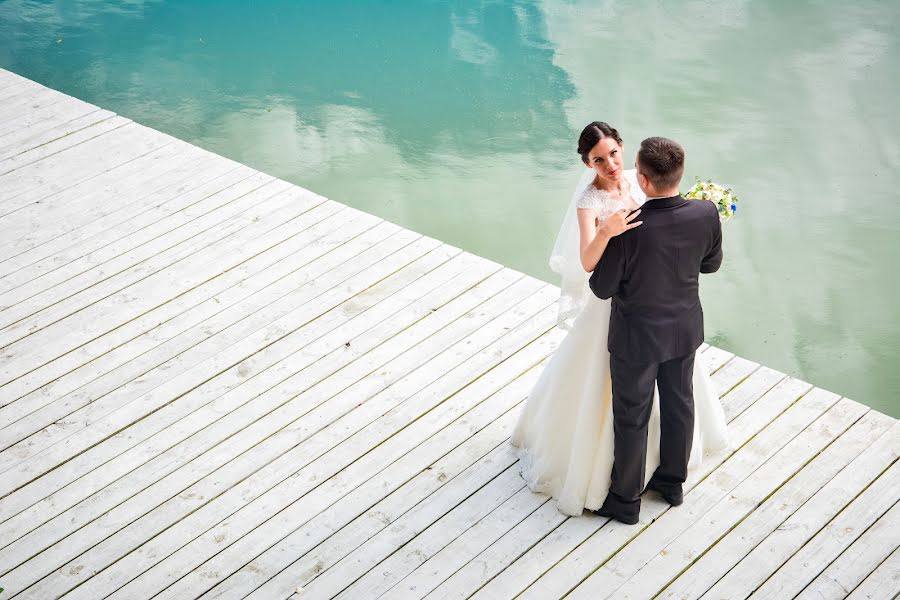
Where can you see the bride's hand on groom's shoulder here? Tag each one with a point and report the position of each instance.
(619, 222)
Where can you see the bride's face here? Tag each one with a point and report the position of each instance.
(606, 159)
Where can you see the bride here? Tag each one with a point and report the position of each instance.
(564, 435)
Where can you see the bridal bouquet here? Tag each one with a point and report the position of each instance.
(722, 197)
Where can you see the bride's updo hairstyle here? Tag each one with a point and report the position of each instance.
(592, 134)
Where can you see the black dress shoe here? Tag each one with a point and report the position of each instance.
(603, 511)
(673, 497)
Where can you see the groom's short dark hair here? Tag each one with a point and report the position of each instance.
(661, 160)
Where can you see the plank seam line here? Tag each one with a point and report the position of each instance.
(765, 499)
(701, 480)
(191, 307)
(94, 137)
(220, 441)
(369, 450)
(816, 533)
(192, 162)
(179, 396)
(131, 265)
(63, 136)
(235, 219)
(878, 566)
(167, 141)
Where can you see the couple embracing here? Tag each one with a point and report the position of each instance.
(623, 405)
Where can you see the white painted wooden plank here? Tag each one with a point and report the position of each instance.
(139, 454)
(492, 561)
(238, 219)
(243, 311)
(31, 102)
(557, 548)
(31, 156)
(311, 236)
(29, 309)
(96, 405)
(713, 522)
(732, 374)
(76, 208)
(884, 582)
(541, 557)
(324, 369)
(8, 83)
(745, 395)
(453, 556)
(10, 93)
(30, 123)
(451, 479)
(94, 197)
(8, 78)
(397, 417)
(263, 334)
(784, 434)
(779, 546)
(714, 358)
(96, 479)
(194, 227)
(18, 79)
(253, 205)
(17, 118)
(183, 322)
(19, 85)
(290, 460)
(27, 142)
(252, 413)
(424, 479)
(244, 368)
(361, 324)
(23, 125)
(856, 562)
(834, 538)
(753, 426)
(38, 181)
(772, 513)
(393, 435)
(367, 549)
(40, 267)
(170, 188)
(420, 472)
(109, 416)
(435, 487)
(449, 528)
(31, 97)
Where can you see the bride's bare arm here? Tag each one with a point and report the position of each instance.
(595, 236)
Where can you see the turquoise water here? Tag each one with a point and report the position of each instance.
(459, 120)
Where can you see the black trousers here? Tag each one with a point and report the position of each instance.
(632, 390)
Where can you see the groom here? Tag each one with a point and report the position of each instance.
(655, 327)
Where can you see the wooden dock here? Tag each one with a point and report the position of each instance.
(215, 383)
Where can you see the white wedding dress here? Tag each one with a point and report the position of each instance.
(564, 435)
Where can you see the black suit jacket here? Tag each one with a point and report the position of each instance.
(652, 274)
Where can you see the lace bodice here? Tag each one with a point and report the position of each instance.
(599, 200)
(603, 202)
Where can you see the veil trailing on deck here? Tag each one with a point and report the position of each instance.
(566, 260)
